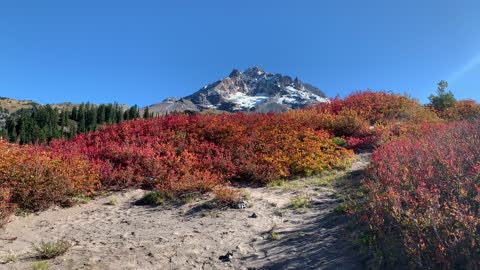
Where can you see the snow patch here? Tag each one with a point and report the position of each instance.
(296, 95)
(244, 101)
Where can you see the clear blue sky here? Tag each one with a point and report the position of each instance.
(140, 52)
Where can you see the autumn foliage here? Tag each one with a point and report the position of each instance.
(462, 110)
(34, 178)
(422, 189)
(425, 190)
(173, 154)
(180, 153)
(366, 118)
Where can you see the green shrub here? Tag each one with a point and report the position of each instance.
(154, 198)
(340, 142)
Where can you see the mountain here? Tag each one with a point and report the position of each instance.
(250, 90)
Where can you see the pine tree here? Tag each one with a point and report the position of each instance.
(91, 117)
(146, 113)
(63, 123)
(101, 114)
(133, 112)
(110, 115)
(443, 100)
(82, 127)
(74, 114)
(118, 115)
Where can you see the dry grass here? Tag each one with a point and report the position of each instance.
(11, 258)
(48, 250)
(39, 266)
(300, 203)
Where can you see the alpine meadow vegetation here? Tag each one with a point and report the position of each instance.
(421, 193)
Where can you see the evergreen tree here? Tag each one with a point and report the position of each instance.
(133, 112)
(101, 114)
(11, 128)
(82, 127)
(443, 100)
(72, 130)
(109, 114)
(74, 114)
(91, 117)
(4, 134)
(118, 115)
(63, 123)
(146, 113)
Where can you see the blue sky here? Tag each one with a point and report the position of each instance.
(140, 52)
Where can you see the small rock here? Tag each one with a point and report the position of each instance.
(253, 215)
(227, 257)
(242, 205)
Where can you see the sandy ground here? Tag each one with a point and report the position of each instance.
(193, 236)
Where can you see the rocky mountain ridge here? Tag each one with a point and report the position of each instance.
(250, 90)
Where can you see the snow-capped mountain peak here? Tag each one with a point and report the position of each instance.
(251, 90)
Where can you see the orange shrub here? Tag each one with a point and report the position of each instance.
(384, 107)
(5, 206)
(269, 147)
(462, 110)
(343, 123)
(226, 195)
(38, 178)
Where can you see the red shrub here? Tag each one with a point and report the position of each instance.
(425, 189)
(158, 153)
(179, 153)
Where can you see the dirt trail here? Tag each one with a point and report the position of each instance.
(192, 236)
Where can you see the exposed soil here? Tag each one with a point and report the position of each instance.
(194, 235)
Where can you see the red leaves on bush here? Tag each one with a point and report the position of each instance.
(173, 154)
(427, 187)
(180, 153)
(37, 178)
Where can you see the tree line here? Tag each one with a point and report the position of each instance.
(44, 123)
